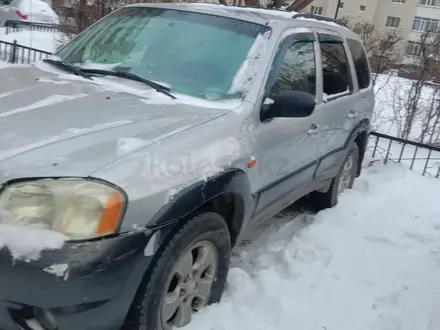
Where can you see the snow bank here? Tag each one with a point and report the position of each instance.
(371, 263)
(47, 41)
(26, 243)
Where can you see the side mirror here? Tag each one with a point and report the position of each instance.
(293, 104)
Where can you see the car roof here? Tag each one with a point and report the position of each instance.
(261, 16)
(255, 15)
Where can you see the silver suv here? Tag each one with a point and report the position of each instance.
(137, 156)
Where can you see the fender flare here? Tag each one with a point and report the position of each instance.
(363, 128)
(193, 197)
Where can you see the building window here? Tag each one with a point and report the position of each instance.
(341, 4)
(316, 10)
(399, 1)
(393, 22)
(363, 8)
(433, 3)
(424, 24)
(413, 48)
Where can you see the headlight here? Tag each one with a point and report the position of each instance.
(77, 208)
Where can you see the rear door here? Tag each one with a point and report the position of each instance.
(337, 108)
(364, 107)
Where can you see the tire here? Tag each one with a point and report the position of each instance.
(205, 235)
(329, 199)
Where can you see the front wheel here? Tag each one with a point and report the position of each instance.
(189, 274)
(343, 181)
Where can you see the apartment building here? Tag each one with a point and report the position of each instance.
(411, 17)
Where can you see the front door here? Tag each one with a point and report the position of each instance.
(285, 157)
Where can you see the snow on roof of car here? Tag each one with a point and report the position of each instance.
(269, 12)
(258, 15)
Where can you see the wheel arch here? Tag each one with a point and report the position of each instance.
(359, 135)
(227, 194)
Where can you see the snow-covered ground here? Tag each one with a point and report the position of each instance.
(371, 263)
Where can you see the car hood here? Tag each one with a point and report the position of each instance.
(50, 126)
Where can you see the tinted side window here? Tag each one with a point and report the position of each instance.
(294, 67)
(360, 62)
(335, 67)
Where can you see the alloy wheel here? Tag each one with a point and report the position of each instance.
(347, 174)
(189, 286)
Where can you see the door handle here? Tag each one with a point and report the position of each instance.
(352, 114)
(313, 129)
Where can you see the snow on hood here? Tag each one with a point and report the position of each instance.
(26, 243)
(50, 100)
(48, 127)
(148, 95)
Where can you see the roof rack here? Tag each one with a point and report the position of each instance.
(321, 18)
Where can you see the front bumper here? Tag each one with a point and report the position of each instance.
(95, 293)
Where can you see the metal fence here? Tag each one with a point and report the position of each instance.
(420, 157)
(15, 26)
(19, 54)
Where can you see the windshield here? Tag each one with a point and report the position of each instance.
(195, 54)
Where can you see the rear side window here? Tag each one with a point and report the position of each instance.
(360, 63)
(335, 67)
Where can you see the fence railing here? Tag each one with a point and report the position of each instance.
(15, 26)
(12, 52)
(420, 157)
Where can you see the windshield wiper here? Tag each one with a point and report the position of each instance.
(68, 67)
(127, 75)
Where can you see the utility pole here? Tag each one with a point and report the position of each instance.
(337, 9)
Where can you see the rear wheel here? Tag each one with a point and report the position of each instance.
(189, 274)
(343, 181)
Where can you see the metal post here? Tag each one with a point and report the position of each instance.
(337, 9)
(14, 52)
(427, 162)
(388, 152)
(401, 152)
(375, 146)
(414, 157)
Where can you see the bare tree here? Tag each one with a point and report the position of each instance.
(383, 48)
(426, 59)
